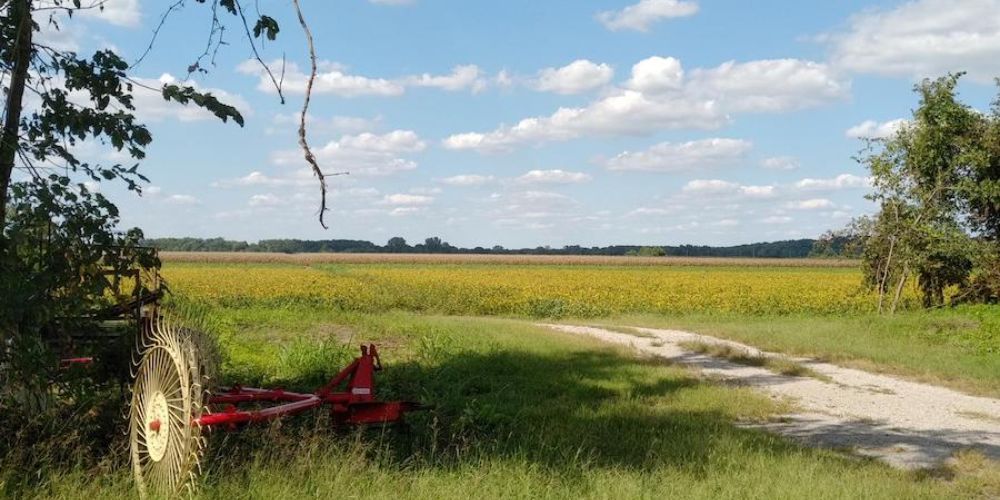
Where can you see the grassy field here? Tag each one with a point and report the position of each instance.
(523, 412)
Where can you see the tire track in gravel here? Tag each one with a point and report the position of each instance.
(907, 424)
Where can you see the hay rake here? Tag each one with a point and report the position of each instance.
(172, 405)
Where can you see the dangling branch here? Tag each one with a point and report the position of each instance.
(267, 69)
(307, 152)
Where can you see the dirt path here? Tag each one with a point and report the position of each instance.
(907, 424)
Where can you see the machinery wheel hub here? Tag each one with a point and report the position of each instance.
(157, 426)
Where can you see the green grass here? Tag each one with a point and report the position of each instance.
(521, 412)
(778, 365)
(959, 348)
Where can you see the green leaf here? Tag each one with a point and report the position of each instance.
(268, 26)
(204, 100)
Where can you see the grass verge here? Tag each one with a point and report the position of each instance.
(957, 348)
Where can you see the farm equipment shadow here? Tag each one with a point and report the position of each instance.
(563, 410)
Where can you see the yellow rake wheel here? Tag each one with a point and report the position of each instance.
(168, 395)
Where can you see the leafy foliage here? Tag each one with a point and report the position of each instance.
(61, 249)
(933, 183)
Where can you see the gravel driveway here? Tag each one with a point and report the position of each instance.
(907, 424)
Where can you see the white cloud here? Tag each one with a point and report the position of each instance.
(265, 200)
(461, 78)
(532, 209)
(574, 78)
(640, 16)
(658, 97)
(758, 192)
(777, 219)
(552, 177)
(541, 197)
(812, 204)
(332, 80)
(922, 38)
(397, 141)
(770, 85)
(649, 211)
(710, 187)
(118, 12)
(468, 180)
(335, 125)
(504, 79)
(181, 199)
(300, 177)
(726, 223)
(625, 112)
(66, 36)
(657, 74)
(780, 163)
(842, 181)
(673, 157)
(871, 129)
(426, 190)
(401, 199)
(363, 154)
(401, 211)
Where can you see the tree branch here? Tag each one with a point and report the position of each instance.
(256, 55)
(156, 32)
(307, 152)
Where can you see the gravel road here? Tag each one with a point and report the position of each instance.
(907, 424)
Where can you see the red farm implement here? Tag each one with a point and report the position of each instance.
(173, 406)
(356, 405)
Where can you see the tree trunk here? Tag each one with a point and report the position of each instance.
(899, 289)
(20, 15)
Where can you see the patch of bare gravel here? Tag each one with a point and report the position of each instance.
(906, 424)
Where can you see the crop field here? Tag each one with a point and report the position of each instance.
(416, 258)
(529, 290)
(524, 412)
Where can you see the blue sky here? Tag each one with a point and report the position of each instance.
(530, 122)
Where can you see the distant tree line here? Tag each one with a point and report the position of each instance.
(776, 249)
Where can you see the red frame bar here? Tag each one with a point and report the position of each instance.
(70, 362)
(356, 405)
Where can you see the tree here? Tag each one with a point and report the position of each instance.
(845, 242)
(433, 245)
(57, 234)
(927, 181)
(980, 186)
(648, 252)
(396, 244)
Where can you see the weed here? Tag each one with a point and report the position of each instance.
(780, 365)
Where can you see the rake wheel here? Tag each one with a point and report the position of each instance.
(168, 395)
